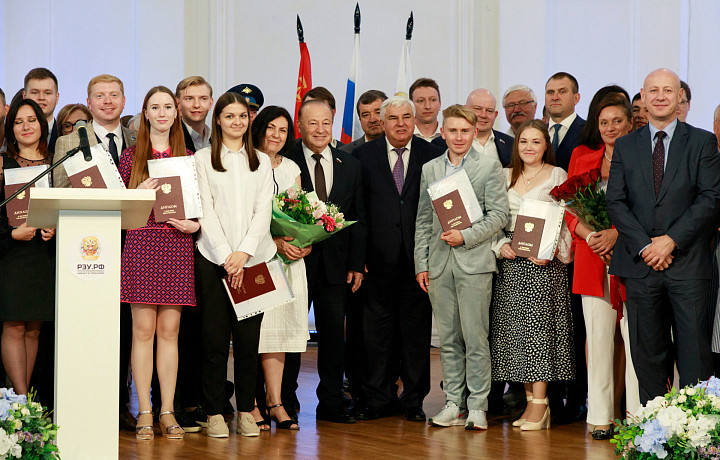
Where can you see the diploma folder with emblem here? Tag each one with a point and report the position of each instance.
(102, 160)
(454, 201)
(169, 200)
(264, 287)
(15, 179)
(185, 168)
(537, 229)
(89, 178)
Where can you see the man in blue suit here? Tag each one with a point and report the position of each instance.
(487, 141)
(664, 198)
(561, 96)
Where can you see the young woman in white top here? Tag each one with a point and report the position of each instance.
(236, 190)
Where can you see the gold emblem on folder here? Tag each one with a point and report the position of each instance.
(166, 188)
(259, 279)
(529, 226)
(21, 196)
(86, 181)
(448, 204)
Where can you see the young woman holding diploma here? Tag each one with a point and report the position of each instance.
(157, 266)
(236, 190)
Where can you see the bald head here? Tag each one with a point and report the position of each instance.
(661, 94)
(483, 103)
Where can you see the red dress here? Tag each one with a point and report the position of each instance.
(157, 259)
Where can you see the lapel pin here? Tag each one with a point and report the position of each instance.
(339, 161)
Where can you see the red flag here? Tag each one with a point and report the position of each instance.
(304, 83)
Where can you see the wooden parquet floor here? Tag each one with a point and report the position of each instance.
(388, 438)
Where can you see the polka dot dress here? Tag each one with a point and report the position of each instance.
(531, 322)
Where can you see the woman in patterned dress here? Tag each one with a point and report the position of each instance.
(27, 254)
(285, 328)
(531, 325)
(157, 266)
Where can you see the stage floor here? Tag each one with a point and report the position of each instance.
(388, 438)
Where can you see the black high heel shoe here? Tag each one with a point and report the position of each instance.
(285, 424)
(599, 434)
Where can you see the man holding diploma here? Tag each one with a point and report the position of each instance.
(456, 267)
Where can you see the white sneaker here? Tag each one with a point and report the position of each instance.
(476, 420)
(450, 415)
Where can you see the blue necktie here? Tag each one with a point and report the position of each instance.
(556, 137)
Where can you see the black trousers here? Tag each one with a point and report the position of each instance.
(125, 348)
(190, 356)
(329, 302)
(218, 323)
(656, 305)
(397, 322)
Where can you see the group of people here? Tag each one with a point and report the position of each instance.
(573, 333)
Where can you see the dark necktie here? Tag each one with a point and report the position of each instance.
(399, 170)
(658, 161)
(556, 136)
(112, 147)
(320, 187)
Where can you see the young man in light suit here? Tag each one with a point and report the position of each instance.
(456, 269)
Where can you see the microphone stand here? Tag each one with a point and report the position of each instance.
(70, 153)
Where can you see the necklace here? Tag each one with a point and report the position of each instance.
(607, 157)
(527, 181)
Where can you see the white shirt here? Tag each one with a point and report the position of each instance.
(428, 138)
(199, 141)
(489, 149)
(327, 163)
(393, 156)
(564, 126)
(237, 207)
(102, 134)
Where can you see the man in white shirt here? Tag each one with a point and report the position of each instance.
(425, 94)
(520, 104)
(194, 99)
(41, 86)
(333, 264)
(561, 97)
(368, 110)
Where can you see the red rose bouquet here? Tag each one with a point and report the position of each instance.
(584, 199)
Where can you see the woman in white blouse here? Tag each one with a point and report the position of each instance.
(236, 190)
(531, 323)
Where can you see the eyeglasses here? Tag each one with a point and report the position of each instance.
(513, 105)
(67, 126)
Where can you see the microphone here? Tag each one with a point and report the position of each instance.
(84, 142)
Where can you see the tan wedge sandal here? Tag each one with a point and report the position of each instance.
(171, 431)
(144, 431)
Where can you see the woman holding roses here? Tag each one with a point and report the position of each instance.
(601, 293)
(531, 322)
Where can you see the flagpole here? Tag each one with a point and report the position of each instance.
(349, 129)
(304, 81)
(405, 68)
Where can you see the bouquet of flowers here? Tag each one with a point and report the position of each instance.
(682, 424)
(26, 431)
(304, 217)
(584, 200)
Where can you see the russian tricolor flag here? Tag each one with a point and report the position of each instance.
(351, 124)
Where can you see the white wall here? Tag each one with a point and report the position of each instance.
(463, 44)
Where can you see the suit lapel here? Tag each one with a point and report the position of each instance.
(642, 145)
(414, 166)
(675, 153)
(381, 157)
(337, 175)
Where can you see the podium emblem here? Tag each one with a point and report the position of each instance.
(86, 181)
(448, 204)
(166, 188)
(529, 226)
(90, 249)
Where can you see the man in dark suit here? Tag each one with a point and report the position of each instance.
(194, 100)
(368, 110)
(664, 197)
(561, 96)
(487, 141)
(41, 86)
(398, 312)
(333, 264)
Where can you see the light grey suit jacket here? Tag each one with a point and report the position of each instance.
(349, 147)
(475, 256)
(72, 140)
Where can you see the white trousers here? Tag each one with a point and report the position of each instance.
(600, 325)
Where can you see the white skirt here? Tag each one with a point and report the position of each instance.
(285, 328)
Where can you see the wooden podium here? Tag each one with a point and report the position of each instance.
(87, 309)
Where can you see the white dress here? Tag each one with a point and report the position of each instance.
(285, 328)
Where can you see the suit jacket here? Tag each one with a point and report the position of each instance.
(686, 208)
(569, 142)
(53, 137)
(189, 144)
(353, 145)
(390, 216)
(475, 256)
(503, 144)
(72, 140)
(344, 251)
